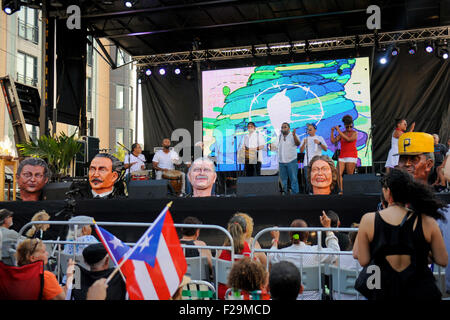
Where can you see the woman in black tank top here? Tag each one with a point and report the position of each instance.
(401, 240)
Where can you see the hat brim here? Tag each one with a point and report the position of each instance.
(409, 154)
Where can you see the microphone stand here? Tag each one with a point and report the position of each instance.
(370, 139)
(129, 160)
(338, 167)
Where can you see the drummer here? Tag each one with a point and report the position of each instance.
(135, 161)
(164, 160)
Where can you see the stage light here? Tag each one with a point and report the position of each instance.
(429, 47)
(412, 48)
(9, 7)
(383, 60)
(445, 54)
(395, 51)
(442, 49)
(148, 72)
(129, 3)
(162, 71)
(177, 71)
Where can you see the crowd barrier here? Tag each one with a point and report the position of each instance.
(342, 279)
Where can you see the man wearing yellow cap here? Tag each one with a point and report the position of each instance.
(416, 151)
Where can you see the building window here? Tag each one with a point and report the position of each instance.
(119, 135)
(130, 101)
(26, 69)
(119, 96)
(28, 24)
(89, 94)
(131, 138)
(90, 51)
(122, 57)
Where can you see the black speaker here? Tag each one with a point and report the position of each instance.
(92, 147)
(145, 189)
(356, 184)
(257, 186)
(56, 190)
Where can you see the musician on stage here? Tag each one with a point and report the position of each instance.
(253, 145)
(135, 161)
(164, 161)
(314, 146)
(287, 156)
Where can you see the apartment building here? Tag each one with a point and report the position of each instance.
(110, 94)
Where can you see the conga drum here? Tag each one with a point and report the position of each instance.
(175, 179)
(140, 175)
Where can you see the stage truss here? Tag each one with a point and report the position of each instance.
(295, 47)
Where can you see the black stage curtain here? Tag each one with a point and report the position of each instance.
(170, 102)
(415, 87)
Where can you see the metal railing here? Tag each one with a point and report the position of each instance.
(134, 224)
(319, 252)
(28, 31)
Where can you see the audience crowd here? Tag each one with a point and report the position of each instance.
(406, 237)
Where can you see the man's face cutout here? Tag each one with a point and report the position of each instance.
(101, 176)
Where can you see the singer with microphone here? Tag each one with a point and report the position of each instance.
(348, 156)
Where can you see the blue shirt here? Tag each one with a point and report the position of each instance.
(445, 229)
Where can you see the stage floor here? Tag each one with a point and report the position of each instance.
(266, 211)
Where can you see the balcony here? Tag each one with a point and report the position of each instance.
(26, 80)
(28, 32)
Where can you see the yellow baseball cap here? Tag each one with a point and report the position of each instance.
(414, 143)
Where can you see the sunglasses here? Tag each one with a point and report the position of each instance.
(35, 246)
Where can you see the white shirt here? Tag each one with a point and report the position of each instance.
(166, 160)
(101, 195)
(307, 259)
(311, 148)
(140, 160)
(287, 150)
(254, 140)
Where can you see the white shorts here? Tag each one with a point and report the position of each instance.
(351, 160)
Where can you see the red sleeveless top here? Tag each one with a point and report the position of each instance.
(348, 149)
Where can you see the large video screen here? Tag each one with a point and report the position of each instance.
(319, 92)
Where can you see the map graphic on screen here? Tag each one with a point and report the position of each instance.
(319, 92)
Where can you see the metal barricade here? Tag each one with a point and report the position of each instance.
(135, 224)
(322, 269)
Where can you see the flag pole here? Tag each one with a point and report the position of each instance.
(104, 241)
(131, 251)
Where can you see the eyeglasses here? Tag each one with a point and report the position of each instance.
(349, 126)
(35, 246)
(323, 169)
(28, 175)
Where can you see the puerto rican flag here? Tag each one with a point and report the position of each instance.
(154, 267)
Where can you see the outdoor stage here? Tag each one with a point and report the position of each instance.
(267, 211)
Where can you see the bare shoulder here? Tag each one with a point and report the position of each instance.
(428, 222)
(368, 218)
(199, 243)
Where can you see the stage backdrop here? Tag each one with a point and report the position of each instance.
(416, 87)
(319, 92)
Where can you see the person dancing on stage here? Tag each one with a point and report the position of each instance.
(400, 128)
(348, 156)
